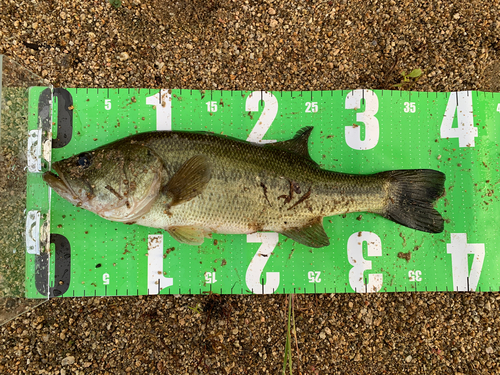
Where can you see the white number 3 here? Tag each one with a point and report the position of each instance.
(353, 133)
(360, 265)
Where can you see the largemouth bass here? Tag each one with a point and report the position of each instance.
(193, 184)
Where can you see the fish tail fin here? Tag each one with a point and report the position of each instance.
(412, 194)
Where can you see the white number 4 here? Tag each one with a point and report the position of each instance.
(460, 250)
(311, 107)
(409, 107)
(461, 104)
(314, 276)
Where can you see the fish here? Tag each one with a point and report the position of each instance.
(193, 184)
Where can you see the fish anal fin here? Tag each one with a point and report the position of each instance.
(311, 235)
(190, 235)
(298, 144)
(189, 181)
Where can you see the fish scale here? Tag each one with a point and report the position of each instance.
(234, 200)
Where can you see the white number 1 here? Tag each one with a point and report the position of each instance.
(162, 104)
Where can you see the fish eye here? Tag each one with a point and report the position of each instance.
(84, 160)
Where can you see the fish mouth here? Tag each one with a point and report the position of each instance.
(59, 183)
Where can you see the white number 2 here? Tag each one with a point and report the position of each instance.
(353, 133)
(258, 262)
(461, 104)
(267, 116)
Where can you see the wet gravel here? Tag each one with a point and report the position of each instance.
(248, 45)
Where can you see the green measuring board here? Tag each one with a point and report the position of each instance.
(358, 131)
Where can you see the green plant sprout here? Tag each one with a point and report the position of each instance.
(408, 80)
(115, 3)
(288, 344)
(196, 309)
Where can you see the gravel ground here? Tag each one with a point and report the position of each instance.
(271, 45)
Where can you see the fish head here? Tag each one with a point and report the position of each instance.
(118, 182)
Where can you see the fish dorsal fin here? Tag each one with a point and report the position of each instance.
(188, 235)
(311, 235)
(298, 144)
(189, 181)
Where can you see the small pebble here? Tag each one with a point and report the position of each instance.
(68, 361)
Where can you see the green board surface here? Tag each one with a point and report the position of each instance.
(358, 131)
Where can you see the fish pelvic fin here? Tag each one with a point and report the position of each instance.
(189, 181)
(188, 234)
(412, 194)
(311, 235)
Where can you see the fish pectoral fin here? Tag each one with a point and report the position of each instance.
(188, 234)
(189, 181)
(311, 235)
